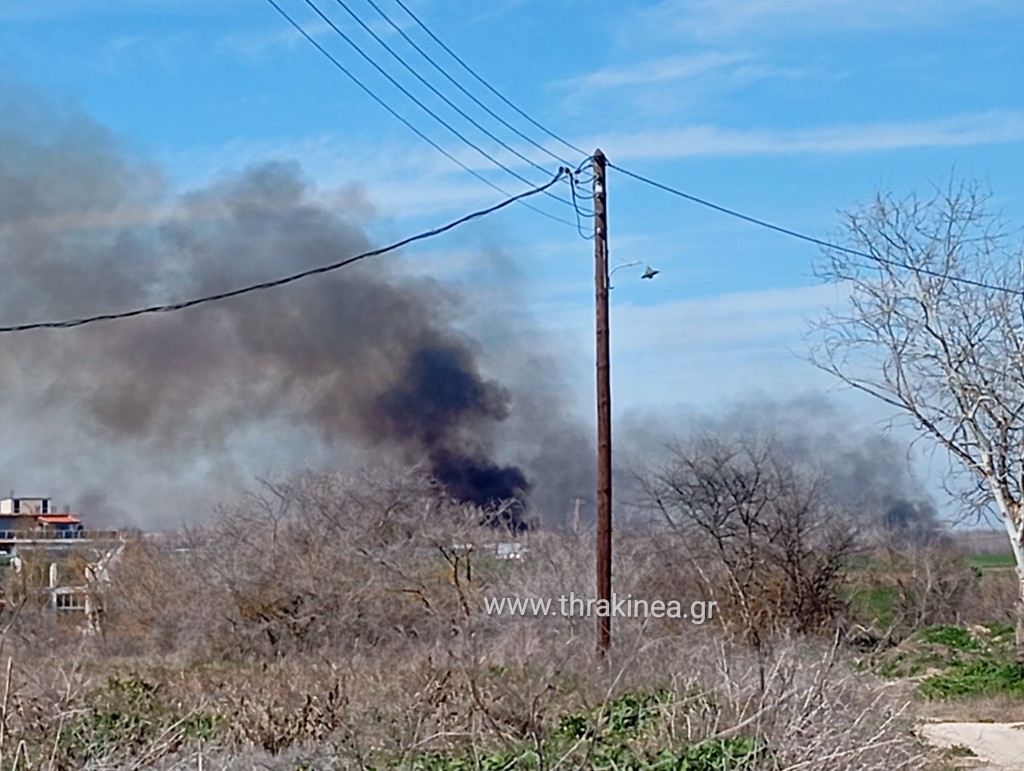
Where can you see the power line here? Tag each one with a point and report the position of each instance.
(369, 92)
(573, 182)
(455, 107)
(485, 84)
(462, 88)
(434, 90)
(812, 240)
(66, 324)
(418, 102)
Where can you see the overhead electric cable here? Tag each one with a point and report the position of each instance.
(579, 214)
(68, 323)
(484, 83)
(437, 93)
(369, 92)
(812, 239)
(463, 89)
(418, 102)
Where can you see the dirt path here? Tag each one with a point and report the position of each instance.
(997, 745)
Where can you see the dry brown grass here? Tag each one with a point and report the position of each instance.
(327, 622)
(983, 709)
(379, 709)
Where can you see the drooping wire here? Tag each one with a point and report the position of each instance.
(461, 88)
(418, 102)
(391, 111)
(583, 186)
(579, 214)
(277, 282)
(485, 84)
(816, 241)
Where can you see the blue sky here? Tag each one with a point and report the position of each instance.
(787, 110)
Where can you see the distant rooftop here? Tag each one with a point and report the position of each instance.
(59, 519)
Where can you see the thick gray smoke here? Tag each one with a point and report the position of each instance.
(867, 469)
(362, 357)
(863, 466)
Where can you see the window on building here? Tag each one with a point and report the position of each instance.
(70, 601)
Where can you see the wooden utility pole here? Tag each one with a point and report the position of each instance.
(604, 410)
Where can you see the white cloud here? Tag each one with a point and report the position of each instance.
(407, 178)
(994, 127)
(761, 319)
(651, 71)
(400, 179)
(701, 350)
(258, 45)
(63, 10)
(167, 52)
(714, 19)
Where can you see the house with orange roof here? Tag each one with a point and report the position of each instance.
(33, 518)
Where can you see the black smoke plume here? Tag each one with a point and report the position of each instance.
(366, 357)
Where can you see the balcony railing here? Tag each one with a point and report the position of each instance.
(58, 535)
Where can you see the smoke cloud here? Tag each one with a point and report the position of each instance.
(868, 470)
(151, 416)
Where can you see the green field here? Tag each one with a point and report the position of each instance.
(867, 564)
(990, 561)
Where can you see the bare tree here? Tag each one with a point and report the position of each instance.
(325, 558)
(935, 328)
(931, 582)
(311, 562)
(761, 530)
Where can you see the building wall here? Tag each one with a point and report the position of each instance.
(25, 506)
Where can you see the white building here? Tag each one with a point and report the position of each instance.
(22, 505)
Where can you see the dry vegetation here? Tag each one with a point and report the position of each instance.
(329, 621)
